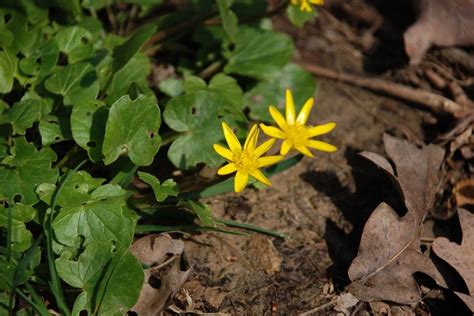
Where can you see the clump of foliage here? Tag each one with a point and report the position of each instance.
(85, 109)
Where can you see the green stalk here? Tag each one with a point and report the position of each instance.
(251, 227)
(9, 231)
(141, 229)
(55, 282)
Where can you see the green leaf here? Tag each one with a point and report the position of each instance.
(25, 169)
(161, 190)
(111, 282)
(272, 92)
(259, 54)
(76, 83)
(299, 17)
(104, 217)
(202, 211)
(75, 42)
(54, 129)
(23, 114)
(75, 191)
(135, 71)
(198, 116)
(21, 214)
(123, 54)
(88, 121)
(132, 130)
(8, 64)
(229, 19)
(171, 87)
(222, 85)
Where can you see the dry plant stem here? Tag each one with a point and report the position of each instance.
(433, 101)
(319, 308)
(460, 57)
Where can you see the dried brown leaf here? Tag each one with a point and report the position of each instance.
(441, 23)
(168, 270)
(389, 250)
(460, 257)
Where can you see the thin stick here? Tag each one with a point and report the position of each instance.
(319, 308)
(435, 102)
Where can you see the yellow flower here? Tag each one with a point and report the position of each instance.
(247, 160)
(305, 4)
(294, 132)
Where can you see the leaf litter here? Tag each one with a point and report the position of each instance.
(167, 271)
(460, 257)
(389, 252)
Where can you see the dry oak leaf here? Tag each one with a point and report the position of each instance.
(441, 23)
(389, 252)
(460, 257)
(168, 271)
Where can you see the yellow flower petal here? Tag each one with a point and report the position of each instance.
(316, 144)
(304, 113)
(272, 131)
(263, 148)
(285, 147)
(224, 152)
(290, 108)
(268, 160)
(317, 2)
(240, 181)
(305, 151)
(277, 116)
(258, 175)
(230, 137)
(251, 141)
(320, 129)
(306, 7)
(229, 168)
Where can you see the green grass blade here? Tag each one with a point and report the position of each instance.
(55, 282)
(251, 227)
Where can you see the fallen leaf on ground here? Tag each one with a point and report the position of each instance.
(460, 257)
(389, 252)
(168, 270)
(345, 303)
(456, 28)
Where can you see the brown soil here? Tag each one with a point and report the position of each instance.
(321, 204)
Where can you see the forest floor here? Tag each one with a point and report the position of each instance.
(321, 204)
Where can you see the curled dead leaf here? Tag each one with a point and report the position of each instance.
(389, 252)
(460, 257)
(168, 270)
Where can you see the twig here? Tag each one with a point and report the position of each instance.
(436, 103)
(459, 57)
(319, 308)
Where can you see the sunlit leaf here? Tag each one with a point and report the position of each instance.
(132, 130)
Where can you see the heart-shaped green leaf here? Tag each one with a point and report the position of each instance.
(88, 121)
(132, 130)
(76, 83)
(259, 54)
(198, 115)
(272, 92)
(25, 169)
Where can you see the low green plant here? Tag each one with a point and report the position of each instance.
(87, 105)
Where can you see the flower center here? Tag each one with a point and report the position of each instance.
(296, 134)
(245, 161)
